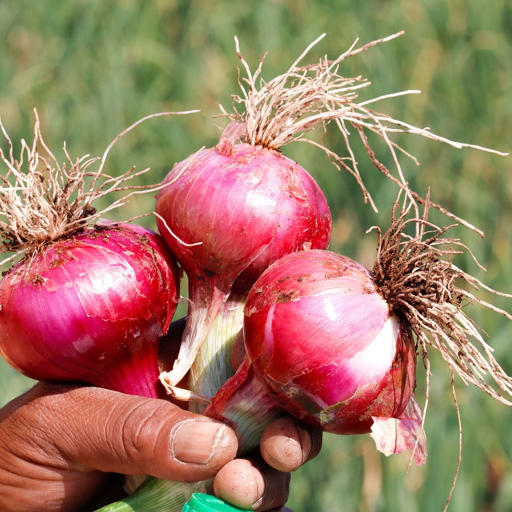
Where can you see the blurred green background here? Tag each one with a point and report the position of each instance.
(92, 67)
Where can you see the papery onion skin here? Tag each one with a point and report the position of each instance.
(245, 206)
(322, 338)
(91, 308)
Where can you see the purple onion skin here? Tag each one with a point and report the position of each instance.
(91, 309)
(248, 206)
(311, 330)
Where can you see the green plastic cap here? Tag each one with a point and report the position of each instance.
(199, 502)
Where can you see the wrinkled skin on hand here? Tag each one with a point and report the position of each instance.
(63, 448)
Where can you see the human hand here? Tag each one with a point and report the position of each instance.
(263, 481)
(59, 446)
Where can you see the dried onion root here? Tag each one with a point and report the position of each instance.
(306, 97)
(416, 275)
(42, 200)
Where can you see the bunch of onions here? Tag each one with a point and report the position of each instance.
(89, 299)
(230, 211)
(325, 340)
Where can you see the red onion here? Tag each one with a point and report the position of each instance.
(323, 339)
(322, 342)
(238, 208)
(90, 308)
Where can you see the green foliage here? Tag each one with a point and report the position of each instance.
(92, 67)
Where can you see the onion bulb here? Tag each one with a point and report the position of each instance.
(90, 308)
(323, 344)
(87, 299)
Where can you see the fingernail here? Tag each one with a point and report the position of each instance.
(304, 443)
(195, 441)
(240, 483)
(253, 486)
(286, 445)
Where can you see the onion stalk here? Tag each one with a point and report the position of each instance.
(215, 362)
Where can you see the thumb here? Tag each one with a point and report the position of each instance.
(87, 428)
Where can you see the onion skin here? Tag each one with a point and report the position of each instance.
(247, 206)
(90, 309)
(322, 338)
